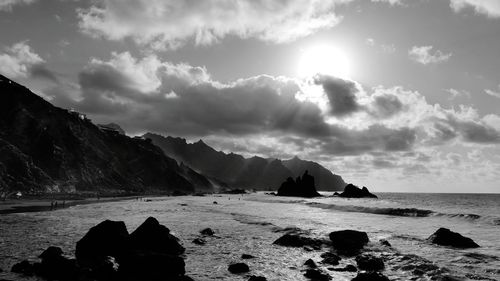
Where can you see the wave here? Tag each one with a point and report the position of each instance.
(403, 212)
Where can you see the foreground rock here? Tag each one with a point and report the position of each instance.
(257, 278)
(446, 237)
(296, 240)
(348, 242)
(370, 263)
(237, 268)
(370, 276)
(317, 275)
(108, 252)
(301, 187)
(352, 191)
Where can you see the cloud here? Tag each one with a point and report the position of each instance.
(147, 94)
(341, 94)
(454, 93)
(6, 5)
(493, 93)
(423, 55)
(170, 24)
(490, 8)
(392, 2)
(19, 60)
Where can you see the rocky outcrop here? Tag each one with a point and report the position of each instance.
(370, 276)
(109, 252)
(352, 191)
(369, 262)
(348, 242)
(302, 187)
(50, 149)
(446, 237)
(236, 171)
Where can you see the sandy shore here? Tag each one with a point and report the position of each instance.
(11, 206)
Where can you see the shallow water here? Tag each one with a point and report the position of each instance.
(250, 223)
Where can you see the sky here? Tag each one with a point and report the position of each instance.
(395, 95)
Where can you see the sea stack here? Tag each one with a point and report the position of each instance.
(302, 187)
(352, 191)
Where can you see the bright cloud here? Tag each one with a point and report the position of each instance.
(18, 60)
(490, 8)
(6, 5)
(424, 56)
(493, 93)
(169, 24)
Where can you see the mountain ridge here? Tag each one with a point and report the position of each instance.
(51, 149)
(240, 172)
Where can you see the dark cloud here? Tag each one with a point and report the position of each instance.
(42, 72)
(341, 95)
(386, 105)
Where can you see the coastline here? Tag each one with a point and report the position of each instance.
(12, 206)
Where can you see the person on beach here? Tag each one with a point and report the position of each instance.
(51, 205)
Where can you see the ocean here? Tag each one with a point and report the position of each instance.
(250, 223)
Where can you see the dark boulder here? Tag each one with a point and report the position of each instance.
(295, 240)
(370, 263)
(352, 191)
(310, 263)
(301, 187)
(151, 236)
(108, 238)
(370, 276)
(51, 253)
(55, 266)
(24, 267)
(257, 278)
(247, 256)
(348, 242)
(151, 266)
(317, 275)
(237, 268)
(207, 232)
(330, 258)
(385, 243)
(199, 241)
(446, 237)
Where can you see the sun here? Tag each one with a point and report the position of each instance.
(324, 59)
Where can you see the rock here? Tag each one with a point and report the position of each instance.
(151, 236)
(446, 237)
(1, 270)
(330, 258)
(310, 263)
(215, 203)
(108, 238)
(247, 256)
(352, 191)
(301, 187)
(348, 242)
(317, 275)
(207, 232)
(151, 266)
(51, 253)
(370, 276)
(55, 266)
(236, 268)
(257, 278)
(199, 241)
(385, 243)
(370, 263)
(347, 268)
(295, 240)
(24, 267)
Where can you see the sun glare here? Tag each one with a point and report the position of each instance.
(324, 59)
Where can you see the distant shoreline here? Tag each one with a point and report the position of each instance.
(12, 206)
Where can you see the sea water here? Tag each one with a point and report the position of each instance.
(248, 224)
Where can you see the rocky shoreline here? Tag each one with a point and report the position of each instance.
(109, 252)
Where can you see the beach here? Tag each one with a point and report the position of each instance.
(250, 223)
